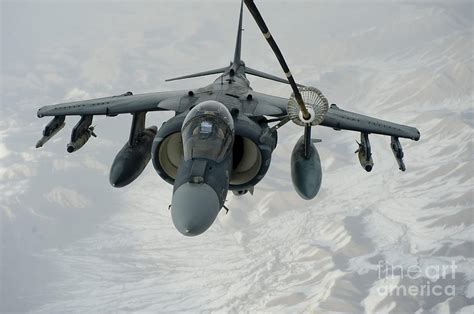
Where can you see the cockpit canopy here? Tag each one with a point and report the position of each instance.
(208, 132)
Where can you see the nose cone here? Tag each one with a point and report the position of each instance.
(194, 208)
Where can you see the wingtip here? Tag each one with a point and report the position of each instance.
(172, 79)
(417, 136)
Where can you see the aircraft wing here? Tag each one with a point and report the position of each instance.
(138, 105)
(114, 105)
(269, 105)
(339, 119)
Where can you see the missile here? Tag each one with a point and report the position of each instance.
(365, 153)
(80, 141)
(306, 173)
(366, 164)
(81, 133)
(51, 129)
(397, 152)
(131, 160)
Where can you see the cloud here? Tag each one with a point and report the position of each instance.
(53, 79)
(17, 170)
(67, 198)
(88, 162)
(76, 94)
(103, 67)
(4, 152)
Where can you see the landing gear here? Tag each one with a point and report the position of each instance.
(226, 209)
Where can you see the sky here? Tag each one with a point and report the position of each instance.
(72, 242)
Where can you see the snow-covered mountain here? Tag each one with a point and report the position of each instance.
(71, 242)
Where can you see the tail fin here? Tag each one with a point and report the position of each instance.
(238, 41)
(210, 72)
(236, 62)
(267, 76)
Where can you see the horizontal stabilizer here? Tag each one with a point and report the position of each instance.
(210, 72)
(267, 76)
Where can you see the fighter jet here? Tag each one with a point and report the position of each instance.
(222, 135)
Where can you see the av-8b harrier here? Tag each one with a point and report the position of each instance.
(221, 137)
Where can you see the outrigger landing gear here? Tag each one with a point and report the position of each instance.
(226, 209)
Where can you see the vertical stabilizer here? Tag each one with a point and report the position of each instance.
(238, 42)
(235, 62)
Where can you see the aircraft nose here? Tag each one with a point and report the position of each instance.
(194, 208)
